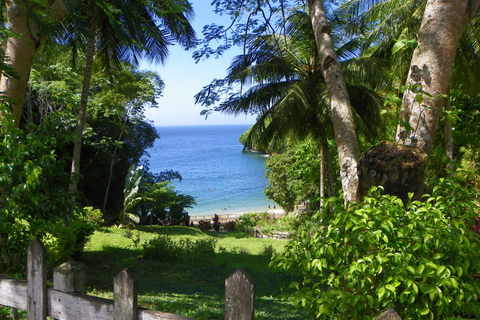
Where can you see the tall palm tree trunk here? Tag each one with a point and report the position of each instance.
(82, 113)
(342, 117)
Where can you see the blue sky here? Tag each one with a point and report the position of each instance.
(184, 78)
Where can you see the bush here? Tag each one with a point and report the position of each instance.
(201, 251)
(66, 243)
(248, 221)
(229, 226)
(420, 260)
(33, 187)
(204, 225)
(216, 223)
(161, 248)
(94, 217)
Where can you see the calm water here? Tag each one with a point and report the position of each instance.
(214, 169)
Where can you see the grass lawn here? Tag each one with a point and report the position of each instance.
(189, 289)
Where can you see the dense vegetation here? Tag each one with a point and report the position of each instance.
(326, 87)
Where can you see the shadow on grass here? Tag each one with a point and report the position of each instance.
(187, 276)
(188, 287)
(189, 231)
(171, 230)
(230, 234)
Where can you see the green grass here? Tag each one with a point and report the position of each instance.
(195, 291)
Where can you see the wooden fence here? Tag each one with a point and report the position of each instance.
(67, 299)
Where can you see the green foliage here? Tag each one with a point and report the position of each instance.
(282, 186)
(117, 130)
(66, 243)
(295, 174)
(132, 182)
(164, 248)
(155, 198)
(188, 288)
(33, 190)
(267, 251)
(248, 221)
(93, 217)
(420, 260)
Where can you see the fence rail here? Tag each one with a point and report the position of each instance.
(66, 300)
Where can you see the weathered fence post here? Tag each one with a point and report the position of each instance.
(388, 314)
(36, 281)
(15, 314)
(239, 296)
(70, 277)
(125, 299)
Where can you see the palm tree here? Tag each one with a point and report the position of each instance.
(286, 88)
(388, 25)
(380, 28)
(125, 30)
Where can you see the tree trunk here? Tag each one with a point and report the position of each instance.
(342, 117)
(112, 163)
(20, 50)
(322, 175)
(19, 54)
(400, 168)
(431, 68)
(82, 112)
(448, 138)
(328, 162)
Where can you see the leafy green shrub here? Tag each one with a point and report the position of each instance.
(161, 248)
(248, 221)
(33, 187)
(94, 217)
(420, 260)
(65, 243)
(201, 251)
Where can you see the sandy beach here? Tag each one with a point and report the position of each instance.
(225, 217)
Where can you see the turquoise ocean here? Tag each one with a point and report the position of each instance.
(215, 171)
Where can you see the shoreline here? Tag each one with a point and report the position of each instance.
(234, 209)
(225, 217)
